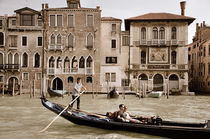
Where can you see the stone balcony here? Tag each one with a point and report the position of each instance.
(159, 67)
(158, 42)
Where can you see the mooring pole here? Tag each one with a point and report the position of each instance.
(13, 87)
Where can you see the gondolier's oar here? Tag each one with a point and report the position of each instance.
(61, 112)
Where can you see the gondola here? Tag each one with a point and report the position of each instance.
(168, 129)
(56, 93)
(113, 94)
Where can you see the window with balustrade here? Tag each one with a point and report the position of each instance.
(59, 39)
(51, 62)
(155, 33)
(173, 33)
(89, 62)
(82, 62)
(143, 33)
(74, 64)
(162, 33)
(173, 57)
(52, 39)
(59, 63)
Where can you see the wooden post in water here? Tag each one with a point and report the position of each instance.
(30, 89)
(20, 89)
(34, 87)
(13, 87)
(3, 89)
(168, 91)
(92, 89)
(41, 87)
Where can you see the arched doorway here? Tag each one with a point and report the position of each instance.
(158, 82)
(13, 84)
(173, 82)
(57, 84)
(143, 80)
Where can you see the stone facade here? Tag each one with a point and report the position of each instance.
(199, 57)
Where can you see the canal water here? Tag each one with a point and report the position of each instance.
(23, 118)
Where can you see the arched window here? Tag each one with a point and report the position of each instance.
(16, 61)
(37, 60)
(59, 39)
(70, 79)
(155, 33)
(89, 80)
(66, 64)
(90, 40)
(52, 39)
(1, 59)
(1, 38)
(51, 62)
(143, 57)
(70, 40)
(59, 62)
(25, 60)
(173, 57)
(9, 58)
(74, 63)
(162, 33)
(143, 33)
(173, 33)
(89, 62)
(82, 62)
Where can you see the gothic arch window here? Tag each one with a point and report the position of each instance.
(51, 62)
(52, 39)
(25, 60)
(143, 33)
(37, 60)
(59, 38)
(16, 59)
(59, 62)
(173, 57)
(143, 57)
(10, 58)
(71, 40)
(89, 62)
(82, 62)
(162, 33)
(66, 63)
(89, 40)
(74, 63)
(173, 33)
(155, 33)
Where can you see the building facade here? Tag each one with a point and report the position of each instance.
(158, 51)
(199, 57)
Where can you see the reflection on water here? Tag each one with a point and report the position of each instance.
(21, 117)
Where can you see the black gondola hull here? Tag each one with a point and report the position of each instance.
(176, 132)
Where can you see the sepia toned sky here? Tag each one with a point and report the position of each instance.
(122, 9)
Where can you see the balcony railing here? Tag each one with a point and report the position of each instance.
(66, 70)
(12, 67)
(155, 42)
(173, 42)
(51, 71)
(143, 42)
(13, 46)
(162, 42)
(74, 70)
(89, 70)
(55, 47)
(160, 66)
(89, 47)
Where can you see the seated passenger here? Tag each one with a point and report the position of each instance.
(117, 115)
(127, 117)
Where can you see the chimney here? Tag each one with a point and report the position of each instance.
(46, 6)
(42, 6)
(98, 7)
(204, 23)
(183, 5)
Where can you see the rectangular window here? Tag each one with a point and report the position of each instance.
(89, 20)
(1, 38)
(39, 22)
(24, 41)
(39, 41)
(52, 20)
(189, 57)
(25, 76)
(113, 43)
(204, 51)
(70, 20)
(1, 79)
(14, 22)
(13, 41)
(125, 41)
(124, 82)
(111, 60)
(38, 76)
(114, 27)
(1, 24)
(107, 77)
(113, 77)
(27, 20)
(59, 20)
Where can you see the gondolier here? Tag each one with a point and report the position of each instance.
(76, 92)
